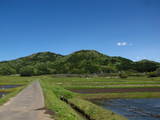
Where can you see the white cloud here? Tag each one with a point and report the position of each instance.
(122, 44)
(140, 57)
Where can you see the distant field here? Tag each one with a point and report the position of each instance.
(142, 87)
(61, 86)
(104, 82)
(13, 80)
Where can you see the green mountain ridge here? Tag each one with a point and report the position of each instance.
(79, 62)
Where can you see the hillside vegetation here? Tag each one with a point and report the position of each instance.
(80, 62)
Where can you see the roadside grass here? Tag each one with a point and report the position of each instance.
(54, 92)
(61, 110)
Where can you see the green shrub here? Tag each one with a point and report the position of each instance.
(158, 72)
(7, 70)
(152, 74)
(123, 75)
(27, 71)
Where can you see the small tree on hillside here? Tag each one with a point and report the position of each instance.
(158, 71)
(7, 70)
(27, 71)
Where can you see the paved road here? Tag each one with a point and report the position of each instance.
(26, 105)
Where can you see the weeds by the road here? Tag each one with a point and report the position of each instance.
(62, 111)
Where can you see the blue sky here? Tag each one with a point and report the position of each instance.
(127, 28)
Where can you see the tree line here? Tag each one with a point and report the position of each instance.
(80, 62)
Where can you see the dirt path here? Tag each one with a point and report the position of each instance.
(27, 105)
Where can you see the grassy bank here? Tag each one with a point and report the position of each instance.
(52, 101)
(53, 93)
(95, 112)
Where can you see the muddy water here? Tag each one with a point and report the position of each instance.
(133, 109)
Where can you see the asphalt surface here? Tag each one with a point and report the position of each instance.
(27, 105)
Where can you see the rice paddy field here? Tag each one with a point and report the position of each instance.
(95, 95)
(107, 87)
(78, 95)
(12, 85)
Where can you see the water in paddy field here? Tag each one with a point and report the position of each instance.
(133, 109)
(2, 94)
(8, 86)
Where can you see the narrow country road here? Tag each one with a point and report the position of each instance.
(27, 105)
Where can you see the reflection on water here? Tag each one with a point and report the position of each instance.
(133, 109)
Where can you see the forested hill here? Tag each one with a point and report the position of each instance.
(80, 62)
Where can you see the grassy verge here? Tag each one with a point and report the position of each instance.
(9, 90)
(62, 110)
(52, 96)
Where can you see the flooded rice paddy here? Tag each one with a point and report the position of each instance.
(2, 94)
(3, 87)
(133, 109)
(9, 86)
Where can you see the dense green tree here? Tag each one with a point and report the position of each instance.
(158, 71)
(146, 66)
(7, 70)
(41, 68)
(27, 71)
(108, 69)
